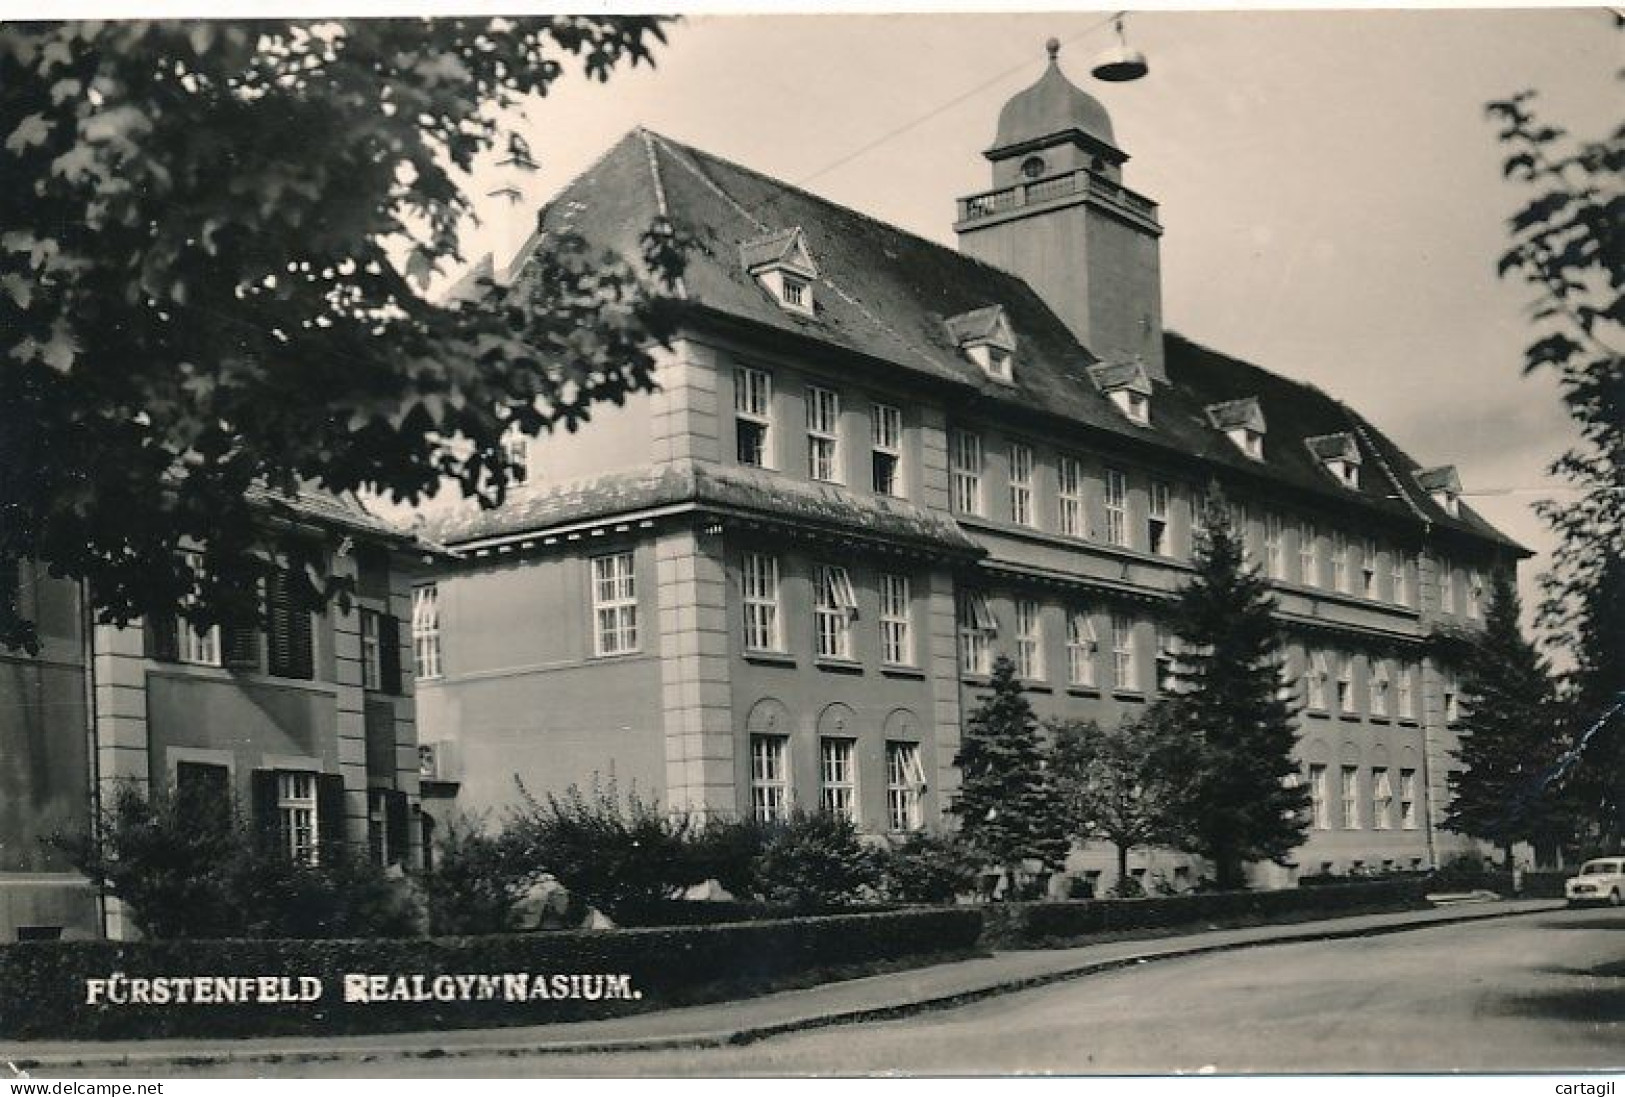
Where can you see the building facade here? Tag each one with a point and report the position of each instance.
(872, 463)
(307, 724)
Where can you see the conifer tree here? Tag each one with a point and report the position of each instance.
(1509, 733)
(1006, 803)
(1241, 805)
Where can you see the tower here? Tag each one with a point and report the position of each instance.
(1060, 217)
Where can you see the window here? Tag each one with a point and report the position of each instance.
(759, 582)
(1382, 799)
(378, 825)
(1407, 799)
(887, 428)
(1351, 798)
(1125, 675)
(1070, 497)
(1452, 700)
(1029, 641)
(191, 646)
(1378, 686)
(426, 630)
(769, 778)
(296, 815)
(1405, 695)
(1475, 592)
(998, 363)
(1116, 507)
(834, 606)
(896, 641)
(1340, 562)
(753, 394)
(977, 627)
(1274, 558)
(290, 646)
(1398, 560)
(1308, 571)
(1447, 587)
(1156, 522)
(905, 779)
(1318, 676)
(1198, 501)
(793, 291)
(1080, 649)
(838, 778)
(1021, 484)
(1166, 646)
(1368, 569)
(614, 604)
(372, 657)
(1345, 685)
(823, 434)
(1135, 405)
(1319, 801)
(967, 472)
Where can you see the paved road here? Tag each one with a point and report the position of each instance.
(1543, 992)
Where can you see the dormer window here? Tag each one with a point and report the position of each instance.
(1127, 386)
(986, 337)
(782, 265)
(1242, 422)
(1339, 455)
(1443, 486)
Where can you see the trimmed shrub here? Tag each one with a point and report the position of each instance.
(1054, 924)
(926, 868)
(46, 990)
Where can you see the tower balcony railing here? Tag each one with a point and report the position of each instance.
(1033, 192)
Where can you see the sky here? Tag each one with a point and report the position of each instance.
(1329, 182)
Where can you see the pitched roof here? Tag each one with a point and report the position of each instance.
(787, 248)
(888, 294)
(1335, 447)
(1111, 376)
(1237, 414)
(337, 510)
(983, 325)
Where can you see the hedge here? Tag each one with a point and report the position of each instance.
(44, 989)
(1052, 924)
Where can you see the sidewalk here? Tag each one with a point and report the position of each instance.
(719, 1023)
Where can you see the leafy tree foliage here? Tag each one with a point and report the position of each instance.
(199, 286)
(926, 868)
(1006, 803)
(1241, 803)
(1508, 730)
(1566, 244)
(813, 861)
(1122, 785)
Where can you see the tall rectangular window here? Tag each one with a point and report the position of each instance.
(1320, 798)
(1069, 496)
(1166, 644)
(1452, 698)
(198, 648)
(1447, 586)
(1080, 649)
(614, 604)
(1399, 561)
(1382, 799)
(753, 420)
(372, 652)
(1407, 799)
(426, 630)
(896, 637)
(759, 582)
(1116, 507)
(823, 434)
(769, 778)
(296, 815)
(1156, 521)
(887, 456)
(977, 627)
(1021, 484)
(1378, 686)
(1351, 798)
(834, 606)
(1318, 677)
(1340, 562)
(838, 779)
(905, 778)
(966, 458)
(1125, 672)
(1368, 569)
(1405, 693)
(1308, 560)
(1274, 556)
(1029, 640)
(1475, 592)
(1345, 685)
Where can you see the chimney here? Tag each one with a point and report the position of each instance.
(513, 215)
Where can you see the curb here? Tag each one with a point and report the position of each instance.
(733, 1036)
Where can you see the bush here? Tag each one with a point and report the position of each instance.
(472, 884)
(725, 849)
(46, 990)
(814, 861)
(189, 867)
(925, 868)
(616, 856)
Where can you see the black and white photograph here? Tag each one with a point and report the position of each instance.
(740, 544)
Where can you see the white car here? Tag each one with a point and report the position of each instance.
(1600, 881)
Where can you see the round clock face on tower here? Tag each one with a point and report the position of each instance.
(1033, 167)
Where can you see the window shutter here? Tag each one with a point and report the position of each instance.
(241, 648)
(162, 636)
(289, 637)
(262, 792)
(398, 825)
(330, 824)
(389, 653)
